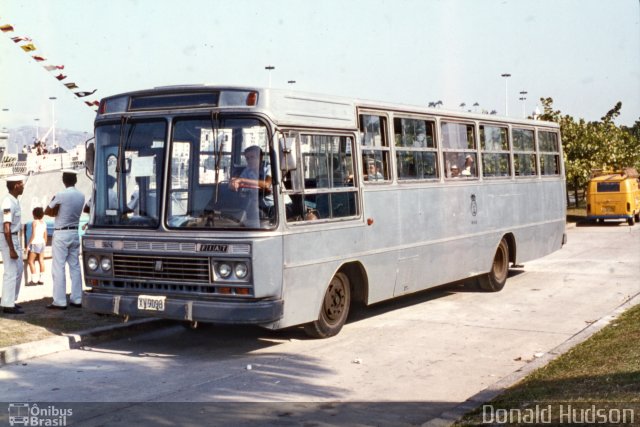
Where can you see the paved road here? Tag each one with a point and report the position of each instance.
(434, 350)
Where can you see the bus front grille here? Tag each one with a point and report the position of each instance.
(189, 270)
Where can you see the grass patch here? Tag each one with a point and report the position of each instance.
(605, 369)
(38, 322)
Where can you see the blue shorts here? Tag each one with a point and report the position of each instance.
(36, 248)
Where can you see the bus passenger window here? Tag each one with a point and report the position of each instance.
(458, 139)
(375, 148)
(416, 153)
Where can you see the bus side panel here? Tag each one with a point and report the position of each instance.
(312, 255)
(267, 267)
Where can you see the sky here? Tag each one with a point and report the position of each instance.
(585, 54)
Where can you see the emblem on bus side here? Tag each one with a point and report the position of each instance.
(474, 205)
(212, 247)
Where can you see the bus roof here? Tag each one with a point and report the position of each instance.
(288, 107)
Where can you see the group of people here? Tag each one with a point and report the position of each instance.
(66, 207)
(39, 147)
(467, 170)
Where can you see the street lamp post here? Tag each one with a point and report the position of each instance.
(269, 68)
(523, 98)
(37, 129)
(53, 119)
(291, 82)
(506, 92)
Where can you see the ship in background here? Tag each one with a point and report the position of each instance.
(41, 164)
(38, 157)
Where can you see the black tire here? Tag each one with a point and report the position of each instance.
(631, 221)
(495, 279)
(334, 310)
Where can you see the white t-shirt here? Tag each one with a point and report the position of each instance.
(71, 202)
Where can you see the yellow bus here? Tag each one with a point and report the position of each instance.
(614, 196)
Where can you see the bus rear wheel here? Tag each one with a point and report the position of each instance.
(495, 279)
(334, 310)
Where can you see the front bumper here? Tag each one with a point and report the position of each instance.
(245, 312)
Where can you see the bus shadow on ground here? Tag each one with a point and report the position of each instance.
(361, 312)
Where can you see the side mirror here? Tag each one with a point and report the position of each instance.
(288, 155)
(90, 156)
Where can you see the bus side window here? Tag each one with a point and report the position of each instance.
(329, 190)
(375, 148)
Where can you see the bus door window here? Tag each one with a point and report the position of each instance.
(375, 148)
(326, 188)
(459, 146)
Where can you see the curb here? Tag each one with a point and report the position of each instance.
(453, 415)
(21, 352)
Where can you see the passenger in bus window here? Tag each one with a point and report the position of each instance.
(373, 172)
(455, 172)
(468, 169)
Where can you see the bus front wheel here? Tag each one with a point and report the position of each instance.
(495, 279)
(334, 310)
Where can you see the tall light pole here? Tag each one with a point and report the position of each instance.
(53, 119)
(269, 68)
(506, 92)
(37, 130)
(523, 98)
(5, 110)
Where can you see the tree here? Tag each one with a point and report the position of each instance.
(598, 145)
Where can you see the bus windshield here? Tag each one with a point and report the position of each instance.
(130, 156)
(220, 174)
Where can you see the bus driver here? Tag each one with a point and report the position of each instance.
(255, 176)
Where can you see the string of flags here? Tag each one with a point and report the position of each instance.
(28, 46)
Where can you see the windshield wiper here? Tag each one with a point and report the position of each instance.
(215, 125)
(123, 143)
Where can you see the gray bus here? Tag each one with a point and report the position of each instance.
(279, 208)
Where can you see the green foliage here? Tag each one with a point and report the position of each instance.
(594, 145)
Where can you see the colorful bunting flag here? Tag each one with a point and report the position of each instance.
(53, 67)
(83, 94)
(28, 47)
(19, 39)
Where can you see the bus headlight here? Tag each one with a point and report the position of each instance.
(224, 270)
(105, 264)
(241, 270)
(92, 263)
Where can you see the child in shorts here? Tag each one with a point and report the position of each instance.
(37, 244)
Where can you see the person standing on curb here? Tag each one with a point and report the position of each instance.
(10, 245)
(66, 206)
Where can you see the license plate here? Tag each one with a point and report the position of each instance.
(608, 209)
(151, 303)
